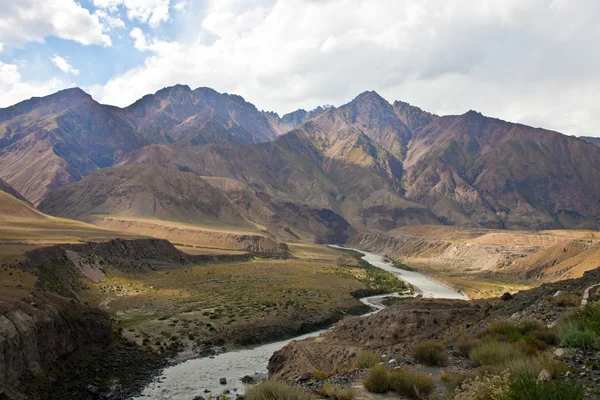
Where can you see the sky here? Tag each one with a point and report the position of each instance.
(531, 61)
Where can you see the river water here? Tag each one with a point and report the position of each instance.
(188, 379)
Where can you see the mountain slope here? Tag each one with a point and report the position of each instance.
(48, 142)
(146, 192)
(375, 117)
(5, 187)
(590, 139)
(178, 114)
(325, 163)
(471, 169)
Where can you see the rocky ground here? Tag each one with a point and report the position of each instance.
(393, 331)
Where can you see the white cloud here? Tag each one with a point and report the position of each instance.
(64, 65)
(514, 59)
(181, 5)
(109, 22)
(26, 21)
(13, 89)
(152, 12)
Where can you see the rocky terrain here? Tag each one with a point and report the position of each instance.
(393, 332)
(41, 328)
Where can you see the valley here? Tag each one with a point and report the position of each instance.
(191, 226)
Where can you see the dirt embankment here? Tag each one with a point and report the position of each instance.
(392, 331)
(36, 332)
(191, 235)
(539, 255)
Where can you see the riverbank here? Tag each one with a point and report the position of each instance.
(191, 378)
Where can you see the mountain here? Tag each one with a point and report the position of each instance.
(180, 115)
(372, 164)
(413, 117)
(375, 117)
(143, 191)
(475, 170)
(5, 187)
(325, 163)
(591, 139)
(291, 120)
(49, 142)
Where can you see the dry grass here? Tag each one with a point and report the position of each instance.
(184, 301)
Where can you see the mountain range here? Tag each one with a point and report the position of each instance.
(199, 156)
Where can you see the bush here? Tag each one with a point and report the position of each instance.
(367, 359)
(337, 392)
(410, 384)
(465, 343)
(273, 390)
(430, 352)
(525, 387)
(588, 317)
(376, 380)
(532, 366)
(318, 374)
(583, 339)
(484, 387)
(565, 300)
(494, 353)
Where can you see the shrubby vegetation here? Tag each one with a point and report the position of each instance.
(581, 327)
(367, 359)
(337, 392)
(431, 352)
(377, 280)
(273, 390)
(401, 381)
(512, 356)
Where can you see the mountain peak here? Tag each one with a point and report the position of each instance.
(168, 90)
(370, 96)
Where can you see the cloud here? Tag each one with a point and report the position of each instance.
(26, 21)
(514, 59)
(152, 12)
(64, 65)
(13, 89)
(181, 5)
(109, 22)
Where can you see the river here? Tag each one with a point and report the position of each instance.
(188, 379)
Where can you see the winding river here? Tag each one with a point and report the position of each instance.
(188, 379)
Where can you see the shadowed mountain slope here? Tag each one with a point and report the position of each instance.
(143, 191)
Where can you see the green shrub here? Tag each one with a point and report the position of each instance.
(273, 390)
(588, 317)
(465, 343)
(337, 392)
(430, 352)
(532, 366)
(318, 374)
(565, 300)
(367, 359)
(494, 353)
(525, 387)
(583, 339)
(376, 380)
(410, 384)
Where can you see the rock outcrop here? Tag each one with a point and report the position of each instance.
(36, 332)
